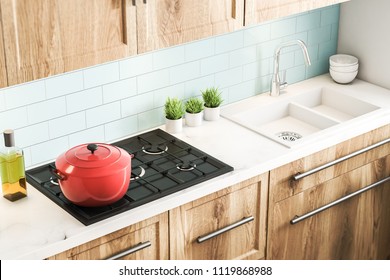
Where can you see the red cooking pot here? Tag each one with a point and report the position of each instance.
(93, 175)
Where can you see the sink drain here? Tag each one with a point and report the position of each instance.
(289, 136)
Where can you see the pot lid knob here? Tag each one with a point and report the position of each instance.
(92, 147)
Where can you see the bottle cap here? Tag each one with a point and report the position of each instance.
(9, 140)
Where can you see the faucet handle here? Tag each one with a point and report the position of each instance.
(283, 81)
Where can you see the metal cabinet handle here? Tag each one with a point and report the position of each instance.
(206, 237)
(134, 4)
(298, 219)
(299, 176)
(131, 250)
(234, 9)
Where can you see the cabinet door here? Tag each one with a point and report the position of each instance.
(262, 10)
(147, 240)
(357, 228)
(48, 37)
(166, 23)
(202, 229)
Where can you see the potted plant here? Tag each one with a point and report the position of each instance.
(194, 112)
(174, 111)
(212, 101)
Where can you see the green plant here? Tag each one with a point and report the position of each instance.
(212, 97)
(173, 109)
(194, 105)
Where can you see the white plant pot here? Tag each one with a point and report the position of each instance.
(212, 114)
(194, 119)
(173, 126)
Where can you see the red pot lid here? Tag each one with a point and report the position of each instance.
(93, 155)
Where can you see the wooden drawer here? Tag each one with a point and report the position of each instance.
(282, 185)
(202, 218)
(356, 228)
(149, 236)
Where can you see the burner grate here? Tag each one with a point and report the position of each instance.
(139, 173)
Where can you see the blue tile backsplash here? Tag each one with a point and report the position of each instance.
(116, 99)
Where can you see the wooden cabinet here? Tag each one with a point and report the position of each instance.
(48, 37)
(237, 215)
(166, 23)
(257, 11)
(356, 228)
(146, 240)
(228, 224)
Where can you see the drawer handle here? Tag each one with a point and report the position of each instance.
(134, 4)
(206, 237)
(131, 250)
(319, 168)
(298, 219)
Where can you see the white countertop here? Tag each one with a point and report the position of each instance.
(36, 228)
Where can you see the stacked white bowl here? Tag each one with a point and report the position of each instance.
(343, 68)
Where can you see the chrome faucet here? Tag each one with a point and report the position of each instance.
(276, 84)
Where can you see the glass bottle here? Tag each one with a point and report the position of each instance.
(12, 171)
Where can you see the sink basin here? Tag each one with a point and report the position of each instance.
(289, 120)
(335, 105)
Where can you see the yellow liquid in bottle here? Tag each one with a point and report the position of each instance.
(12, 174)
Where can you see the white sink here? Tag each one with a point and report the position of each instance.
(290, 120)
(334, 104)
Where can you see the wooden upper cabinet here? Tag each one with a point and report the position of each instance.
(48, 37)
(41, 38)
(262, 10)
(165, 23)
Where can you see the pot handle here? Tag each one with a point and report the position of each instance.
(57, 173)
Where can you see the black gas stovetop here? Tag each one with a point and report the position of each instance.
(162, 165)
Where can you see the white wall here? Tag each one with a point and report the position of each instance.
(364, 31)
